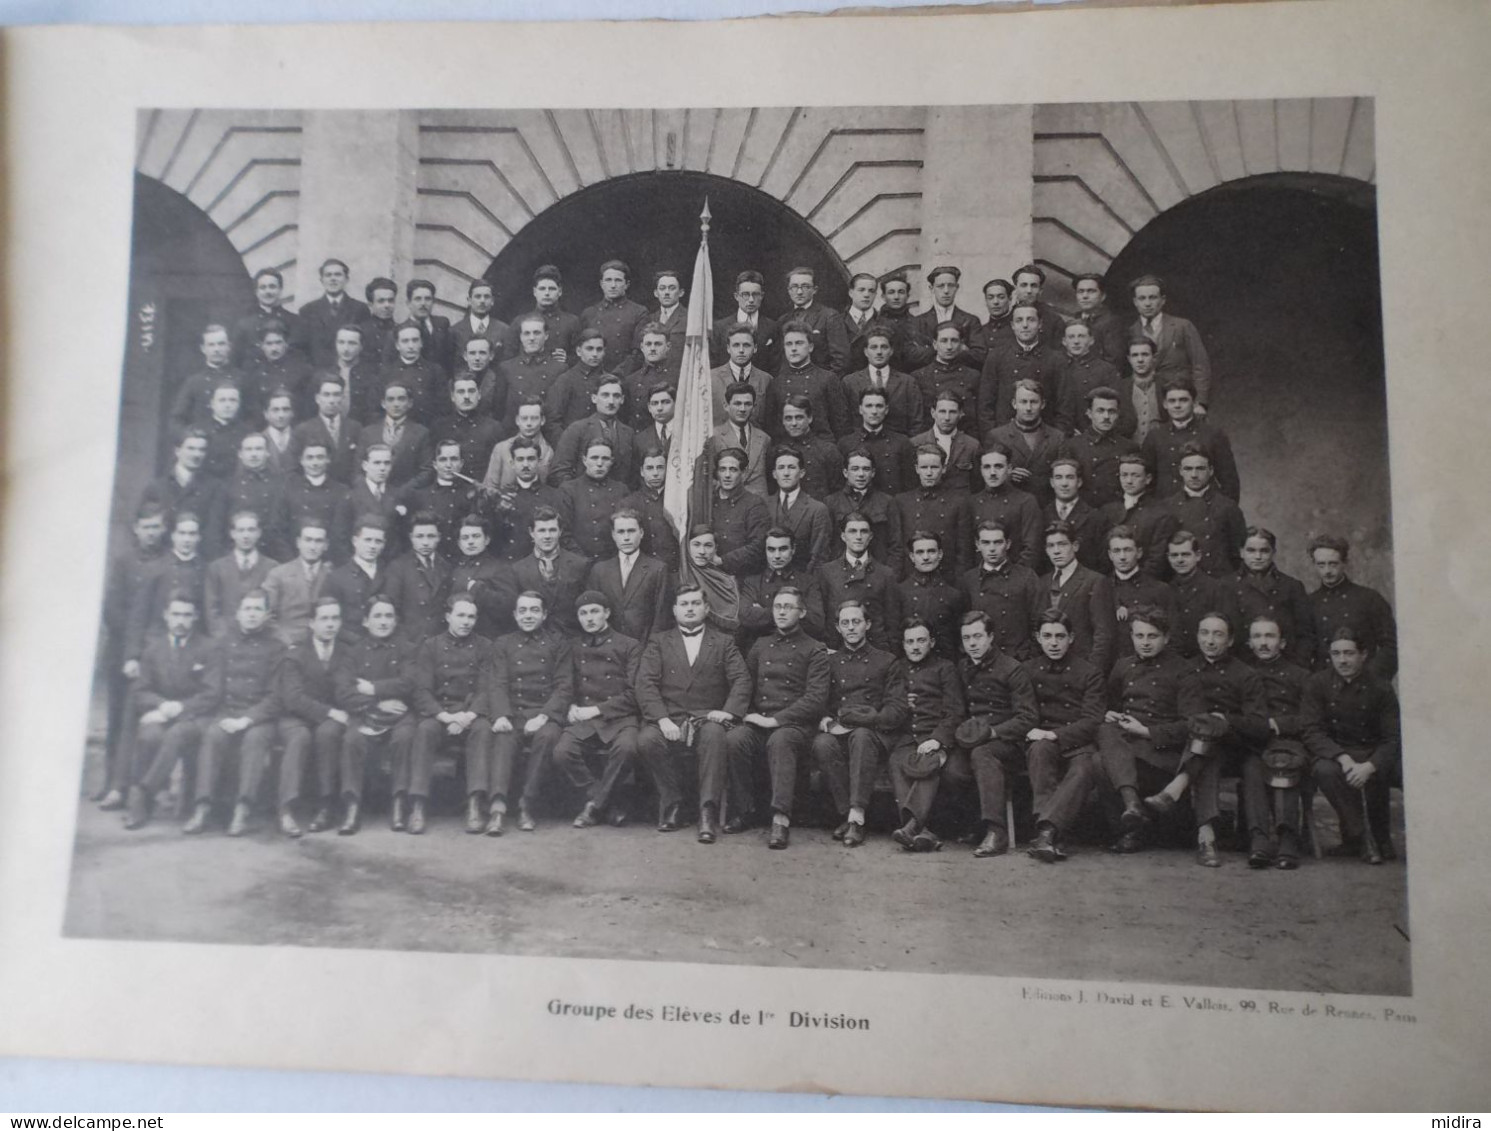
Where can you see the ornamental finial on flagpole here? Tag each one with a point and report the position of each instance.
(704, 219)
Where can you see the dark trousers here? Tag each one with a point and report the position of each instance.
(987, 768)
(1062, 805)
(1347, 801)
(661, 759)
(412, 775)
(1127, 761)
(1267, 809)
(914, 796)
(253, 746)
(1048, 766)
(505, 750)
(785, 746)
(352, 765)
(849, 763)
(570, 753)
(159, 746)
(320, 745)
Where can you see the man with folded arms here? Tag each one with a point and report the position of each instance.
(866, 707)
(603, 716)
(791, 674)
(691, 684)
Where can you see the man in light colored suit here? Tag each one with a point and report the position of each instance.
(294, 586)
(739, 432)
(1179, 351)
(740, 349)
(635, 585)
(691, 684)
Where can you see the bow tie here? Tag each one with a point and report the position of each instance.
(692, 631)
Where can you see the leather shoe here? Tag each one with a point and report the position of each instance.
(352, 821)
(1207, 856)
(617, 818)
(1127, 844)
(708, 830)
(198, 820)
(476, 819)
(1261, 853)
(905, 836)
(417, 816)
(320, 821)
(589, 816)
(1044, 848)
(854, 835)
(996, 842)
(780, 834)
(841, 831)
(288, 824)
(926, 841)
(738, 823)
(239, 825)
(111, 801)
(139, 808)
(1161, 803)
(526, 824)
(396, 819)
(1287, 862)
(1132, 819)
(671, 819)
(495, 820)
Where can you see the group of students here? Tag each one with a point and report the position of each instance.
(959, 551)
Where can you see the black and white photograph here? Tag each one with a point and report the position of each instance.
(927, 539)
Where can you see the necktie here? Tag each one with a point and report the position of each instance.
(1149, 330)
(626, 568)
(546, 569)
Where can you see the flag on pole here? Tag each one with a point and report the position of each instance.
(685, 500)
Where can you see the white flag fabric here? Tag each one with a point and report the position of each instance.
(693, 418)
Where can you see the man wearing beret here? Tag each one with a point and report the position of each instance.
(1001, 711)
(791, 674)
(866, 707)
(691, 684)
(603, 715)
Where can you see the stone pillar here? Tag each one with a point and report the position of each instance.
(977, 191)
(357, 180)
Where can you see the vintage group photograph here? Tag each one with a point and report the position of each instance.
(932, 539)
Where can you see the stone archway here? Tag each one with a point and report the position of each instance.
(651, 221)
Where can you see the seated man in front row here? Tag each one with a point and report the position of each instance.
(692, 683)
(866, 707)
(790, 671)
(374, 688)
(1271, 773)
(934, 697)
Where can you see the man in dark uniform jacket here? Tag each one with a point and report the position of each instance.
(1262, 589)
(615, 316)
(1067, 505)
(1029, 282)
(634, 584)
(800, 375)
(355, 582)
(1183, 426)
(378, 331)
(448, 495)
(1031, 442)
(790, 673)
(255, 487)
(653, 370)
(419, 581)
(1001, 706)
(1025, 358)
(477, 573)
(926, 595)
(750, 289)
(312, 495)
(1083, 370)
(1080, 593)
(739, 368)
(895, 462)
(447, 672)
(1098, 448)
(127, 571)
(934, 506)
(355, 370)
(182, 569)
(1271, 797)
(944, 283)
(825, 328)
(934, 698)
(1215, 519)
(1152, 695)
(529, 373)
(1237, 711)
(758, 591)
(1140, 509)
(1110, 335)
(946, 372)
(1014, 508)
(312, 725)
(231, 576)
(587, 502)
(960, 450)
(1342, 603)
(555, 573)
(371, 495)
(571, 397)
(480, 322)
(244, 716)
(192, 403)
(562, 328)
(906, 410)
(822, 462)
(859, 315)
(269, 286)
(912, 351)
(603, 714)
(1128, 586)
(691, 683)
(177, 688)
(659, 539)
(375, 689)
(424, 379)
(603, 424)
(1069, 702)
(739, 518)
(514, 505)
(529, 690)
(467, 425)
(855, 575)
(1008, 591)
(188, 487)
(670, 316)
(321, 318)
(866, 709)
(1194, 592)
(224, 428)
(273, 366)
(434, 329)
(999, 298)
(1351, 726)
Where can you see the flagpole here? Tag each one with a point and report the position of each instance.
(683, 500)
